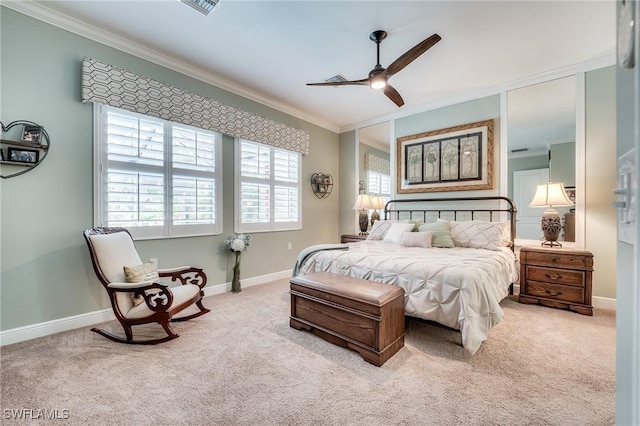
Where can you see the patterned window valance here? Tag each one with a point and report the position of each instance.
(106, 84)
(376, 164)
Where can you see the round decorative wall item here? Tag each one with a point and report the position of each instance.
(321, 184)
(23, 145)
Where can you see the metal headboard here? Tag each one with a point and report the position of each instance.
(418, 209)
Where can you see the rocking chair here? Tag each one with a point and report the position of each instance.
(111, 250)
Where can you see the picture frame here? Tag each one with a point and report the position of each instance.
(31, 134)
(20, 155)
(458, 158)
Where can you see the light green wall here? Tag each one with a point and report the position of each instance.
(455, 115)
(46, 272)
(348, 182)
(600, 218)
(562, 167)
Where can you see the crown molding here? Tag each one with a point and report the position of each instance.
(47, 15)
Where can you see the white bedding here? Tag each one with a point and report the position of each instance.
(457, 287)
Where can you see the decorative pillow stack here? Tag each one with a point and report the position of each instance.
(381, 227)
(396, 230)
(138, 274)
(479, 234)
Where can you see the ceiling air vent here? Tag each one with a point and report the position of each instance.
(202, 6)
(336, 79)
(519, 150)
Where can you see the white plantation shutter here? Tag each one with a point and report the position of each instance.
(156, 178)
(267, 188)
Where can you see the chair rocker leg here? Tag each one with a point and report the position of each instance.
(130, 341)
(200, 306)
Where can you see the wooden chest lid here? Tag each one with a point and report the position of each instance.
(369, 292)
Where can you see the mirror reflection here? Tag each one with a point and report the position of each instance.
(541, 136)
(374, 166)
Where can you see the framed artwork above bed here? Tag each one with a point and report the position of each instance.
(457, 158)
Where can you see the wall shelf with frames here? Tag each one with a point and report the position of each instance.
(23, 146)
(321, 184)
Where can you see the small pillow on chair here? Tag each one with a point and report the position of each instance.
(140, 273)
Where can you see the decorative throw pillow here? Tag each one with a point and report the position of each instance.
(379, 229)
(480, 234)
(441, 234)
(416, 239)
(395, 232)
(140, 273)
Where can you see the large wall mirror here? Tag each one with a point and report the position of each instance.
(541, 148)
(374, 146)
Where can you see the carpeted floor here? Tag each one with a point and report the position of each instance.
(242, 364)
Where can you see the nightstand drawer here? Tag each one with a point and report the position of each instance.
(555, 292)
(555, 276)
(564, 260)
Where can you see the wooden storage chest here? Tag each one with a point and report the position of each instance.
(365, 316)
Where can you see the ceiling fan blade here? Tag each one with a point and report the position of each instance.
(393, 95)
(363, 82)
(411, 55)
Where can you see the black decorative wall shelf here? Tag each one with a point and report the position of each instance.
(23, 146)
(321, 184)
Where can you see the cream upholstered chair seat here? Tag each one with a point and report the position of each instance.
(113, 249)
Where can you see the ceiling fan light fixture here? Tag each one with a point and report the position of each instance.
(378, 82)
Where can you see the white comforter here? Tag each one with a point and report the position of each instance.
(458, 287)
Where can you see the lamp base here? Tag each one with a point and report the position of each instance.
(374, 217)
(364, 222)
(551, 227)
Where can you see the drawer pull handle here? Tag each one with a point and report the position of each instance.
(554, 259)
(550, 277)
(551, 292)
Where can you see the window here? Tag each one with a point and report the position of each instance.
(156, 178)
(379, 184)
(267, 188)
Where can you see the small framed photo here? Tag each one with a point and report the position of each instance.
(31, 134)
(23, 155)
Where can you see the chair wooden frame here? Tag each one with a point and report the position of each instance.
(160, 303)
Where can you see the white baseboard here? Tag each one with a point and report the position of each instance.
(33, 331)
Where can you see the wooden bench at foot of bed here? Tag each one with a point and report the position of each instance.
(365, 316)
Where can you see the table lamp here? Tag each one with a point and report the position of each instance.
(549, 195)
(377, 202)
(363, 203)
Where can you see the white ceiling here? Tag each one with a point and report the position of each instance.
(268, 50)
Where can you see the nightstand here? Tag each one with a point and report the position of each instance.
(352, 238)
(556, 277)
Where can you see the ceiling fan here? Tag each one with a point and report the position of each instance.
(379, 76)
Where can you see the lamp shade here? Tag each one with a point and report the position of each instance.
(377, 202)
(549, 195)
(363, 202)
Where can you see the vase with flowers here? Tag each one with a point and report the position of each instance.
(237, 243)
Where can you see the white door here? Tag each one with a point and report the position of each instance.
(524, 188)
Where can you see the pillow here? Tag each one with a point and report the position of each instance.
(379, 229)
(480, 234)
(140, 273)
(416, 239)
(441, 234)
(394, 234)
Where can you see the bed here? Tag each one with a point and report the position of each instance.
(459, 283)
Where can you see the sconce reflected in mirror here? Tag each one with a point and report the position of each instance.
(361, 187)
